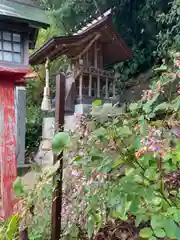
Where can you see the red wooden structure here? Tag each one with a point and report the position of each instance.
(19, 26)
(8, 164)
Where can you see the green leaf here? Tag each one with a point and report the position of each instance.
(134, 107)
(117, 162)
(157, 221)
(96, 102)
(162, 107)
(124, 131)
(90, 227)
(152, 238)
(147, 107)
(146, 233)
(12, 228)
(179, 115)
(159, 232)
(138, 220)
(178, 233)
(150, 173)
(162, 68)
(170, 228)
(175, 105)
(59, 142)
(77, 159)
(135, 204)
(18, 187)
(129, 171)
(171, 210)
(156, 201)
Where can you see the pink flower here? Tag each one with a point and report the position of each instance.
(75, 173)
(177, 54)
(177, 63)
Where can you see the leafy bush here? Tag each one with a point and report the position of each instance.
(123, 166)
(127, 167)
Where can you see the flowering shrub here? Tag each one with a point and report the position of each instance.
(127, 168)
(123, 173)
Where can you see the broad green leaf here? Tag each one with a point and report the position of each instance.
(90, 227)
(170, 228)
(178, 233)
(146, 233)
(157, 221)
(60, 141)
(135, 205)
(159, 232)
(18, 187)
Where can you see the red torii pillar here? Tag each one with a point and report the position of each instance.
(9, 79)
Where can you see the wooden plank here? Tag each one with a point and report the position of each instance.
(88, 46)
(56, 227)
(90, 85)
(107, 89)
(95, 55)
(80, 85)
(98, 86)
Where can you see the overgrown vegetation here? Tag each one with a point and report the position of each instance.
(123, 168)
(151, 28)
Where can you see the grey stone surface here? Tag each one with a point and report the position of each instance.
(20, 111)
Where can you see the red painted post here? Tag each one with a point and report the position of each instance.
(58, 179)
(8, 164)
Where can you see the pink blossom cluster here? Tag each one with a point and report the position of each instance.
(152, 143)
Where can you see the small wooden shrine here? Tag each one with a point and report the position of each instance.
(20, 21)
(90, 51)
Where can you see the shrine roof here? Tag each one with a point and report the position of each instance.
(24, 11)
(113, 47)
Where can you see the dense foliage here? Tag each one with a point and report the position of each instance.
(151, 28)
(124, 165)
(128, 166)
(122, 172)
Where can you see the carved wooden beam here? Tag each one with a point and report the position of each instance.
(88, 46)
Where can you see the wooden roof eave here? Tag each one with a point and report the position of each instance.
(58, 46)
(41, 54)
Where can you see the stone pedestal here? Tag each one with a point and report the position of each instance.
(44, 156)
